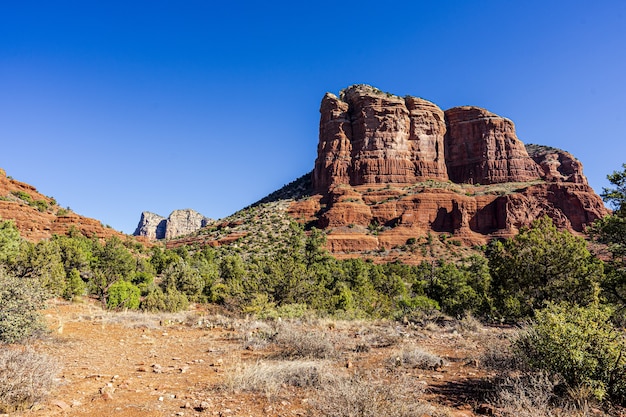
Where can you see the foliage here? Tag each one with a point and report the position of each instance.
(20, 300)
(75, 285)
(42, 261)
(462, 289)
(111, 262)
(611, 231)
(9, 242)
(542, 264)
(170, 301)
(581, 345)
(123, 295)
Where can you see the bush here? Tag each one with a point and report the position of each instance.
(170, 301)
(26, 377)
(123, 294)
(542, 264)
(270, 377)
(296, 342)
(19, 301)
(581, 345)
(369, 396)
(75, 285)
(415, 357)
(527, 395)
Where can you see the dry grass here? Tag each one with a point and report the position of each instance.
(370, 396)
(415, 357)
(272, 376)
(26, 378)
(294, 341)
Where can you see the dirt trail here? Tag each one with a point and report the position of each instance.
(136, 365)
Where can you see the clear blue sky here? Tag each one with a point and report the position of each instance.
(117, 107)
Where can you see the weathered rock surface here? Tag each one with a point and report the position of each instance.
(151, 226)
(183, 222)
(393, 169)
(179, 223)
(556, 164)
(482, 148)
(371, 137)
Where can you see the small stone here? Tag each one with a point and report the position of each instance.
(61, 404)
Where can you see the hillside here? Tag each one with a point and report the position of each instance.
(397, 178)
(39, 217)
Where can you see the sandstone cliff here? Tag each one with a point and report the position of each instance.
(179, 223)
(392, 169)
(371, 137)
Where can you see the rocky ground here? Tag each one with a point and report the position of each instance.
(202, 364)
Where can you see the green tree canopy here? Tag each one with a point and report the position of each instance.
(542, 264)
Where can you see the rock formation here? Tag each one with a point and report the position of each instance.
(371, 137)
(556, 164)
(179, 222)
(391, 168)
(482, 148)
(151, 226)
(38, 217)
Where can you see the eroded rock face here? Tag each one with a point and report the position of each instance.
(151, 226)
(482, 148)
(183, 222)
(427, 132)
(391, 169)
(371, 137)
(557, 164)
(42, 222)
(179, 222)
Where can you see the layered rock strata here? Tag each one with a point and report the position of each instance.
(482, 148)
(390, 169)
(370, 137)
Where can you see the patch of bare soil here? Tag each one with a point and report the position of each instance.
(188, 364)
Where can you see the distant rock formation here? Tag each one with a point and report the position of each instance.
(151, 226)
(179, 222)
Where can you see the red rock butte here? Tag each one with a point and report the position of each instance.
(409, 168)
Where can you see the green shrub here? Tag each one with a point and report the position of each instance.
(542, 264)
(9, 242)
(24, 196)
(123, 294)
(172, 300)
(41, 205)
(75, 285)
(581, 345)
(20, 300)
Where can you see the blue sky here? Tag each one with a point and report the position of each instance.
(117, 107)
